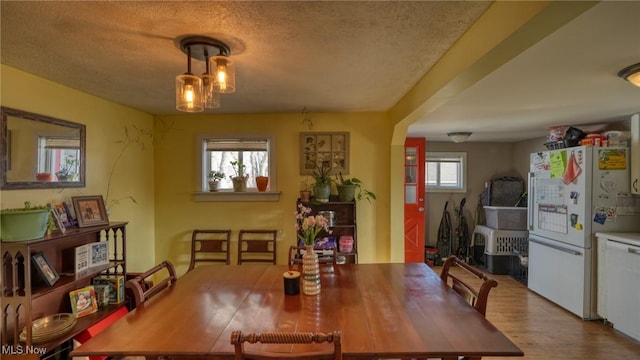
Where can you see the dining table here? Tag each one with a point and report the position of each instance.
(384, 310)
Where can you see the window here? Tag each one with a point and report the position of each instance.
(255, 151)
(59, 155)
(446, 172)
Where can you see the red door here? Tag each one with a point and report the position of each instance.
(414, 214)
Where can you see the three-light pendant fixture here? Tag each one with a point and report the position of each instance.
(195, 93)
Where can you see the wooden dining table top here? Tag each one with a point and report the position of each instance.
(382, 310)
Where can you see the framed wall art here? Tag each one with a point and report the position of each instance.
(90, 210)
(328, 149)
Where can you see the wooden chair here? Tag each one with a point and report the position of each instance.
(138, 285)
(257, 246)
(238, 339)
(476, 298)
(210, 246)
(295, 257)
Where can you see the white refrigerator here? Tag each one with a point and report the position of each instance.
(572, 194)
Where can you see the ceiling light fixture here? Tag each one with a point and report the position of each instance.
(459, 137)
(631, 74)
(195, 93)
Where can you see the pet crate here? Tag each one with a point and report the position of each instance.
(499, 247)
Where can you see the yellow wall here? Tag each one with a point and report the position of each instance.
(177, 214)
(106, 123)
(505, 30)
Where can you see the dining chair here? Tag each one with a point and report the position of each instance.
(325, 256)
(210, 246)
(257, 246)
(140, 288)
(477, 298)
(238, 339)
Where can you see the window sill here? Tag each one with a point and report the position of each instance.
(226, 196)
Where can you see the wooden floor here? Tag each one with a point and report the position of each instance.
(544, 330)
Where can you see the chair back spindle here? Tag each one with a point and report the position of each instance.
(238, 339)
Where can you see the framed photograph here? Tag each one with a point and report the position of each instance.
(70, 213)
(330, 149)
(90, 210)
(56, 219)
(99, 253)
(83, 301)
(46, 271)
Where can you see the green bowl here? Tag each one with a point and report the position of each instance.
(23, 225)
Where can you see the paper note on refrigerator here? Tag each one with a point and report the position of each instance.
(628, 204)
(557, 163)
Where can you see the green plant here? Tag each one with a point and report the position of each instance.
(68, 167)
(361, 193)
(322, 175)
(238, 169)
(215, 175)
(27, 207)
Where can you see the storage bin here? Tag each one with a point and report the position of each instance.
(506, 218)
(502, 242)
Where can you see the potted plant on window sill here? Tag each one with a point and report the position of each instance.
(240, 178)
(214, 180)
(68, 169)
(351, 188)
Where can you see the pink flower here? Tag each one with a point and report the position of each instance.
(309, 226)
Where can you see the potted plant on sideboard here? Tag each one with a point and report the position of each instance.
(322, 186)
(351, 188)
(22, 224)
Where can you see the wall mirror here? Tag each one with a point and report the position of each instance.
(40, 152)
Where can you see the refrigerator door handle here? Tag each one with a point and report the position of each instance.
(633, 251)
(530, 199)
(556, 247)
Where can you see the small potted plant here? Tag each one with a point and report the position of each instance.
(322, 186)
(68, 169)
(305, 191)
(351, 188)
(240, 177)
(214, 179)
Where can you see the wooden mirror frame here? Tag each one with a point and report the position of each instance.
(6, 112)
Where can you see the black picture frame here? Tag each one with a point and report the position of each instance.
(46, 271)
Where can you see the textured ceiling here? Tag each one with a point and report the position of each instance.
(343, 56)
(325, 56)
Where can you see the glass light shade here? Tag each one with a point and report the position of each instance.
(459, 137)
(225, 73)
(631, 74)
(189, 93)
(634, 78)
(210, 97)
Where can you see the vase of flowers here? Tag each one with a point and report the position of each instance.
(308, 226)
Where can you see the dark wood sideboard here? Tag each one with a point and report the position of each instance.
(27, 297)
